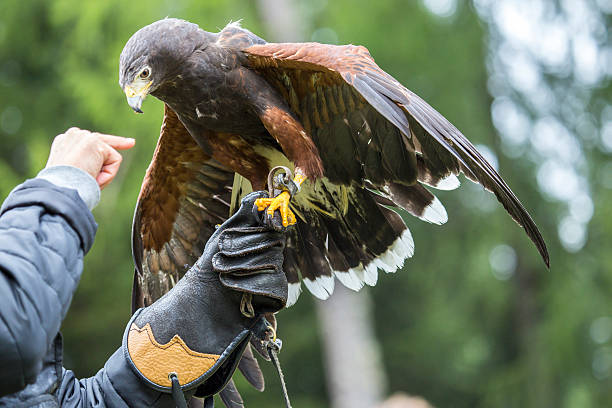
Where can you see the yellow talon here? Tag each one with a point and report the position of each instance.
(281, 203)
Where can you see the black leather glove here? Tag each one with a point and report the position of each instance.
(194, 336)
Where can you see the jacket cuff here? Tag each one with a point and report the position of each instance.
(56, 200)
(74, 178)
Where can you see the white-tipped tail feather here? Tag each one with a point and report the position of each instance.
(435, 213)
(321, 287)
(294, 293)
(390, 261)
(353, 279)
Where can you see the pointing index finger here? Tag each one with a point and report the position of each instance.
(117, 142)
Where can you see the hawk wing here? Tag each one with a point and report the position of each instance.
(184, 195)
(346, 103)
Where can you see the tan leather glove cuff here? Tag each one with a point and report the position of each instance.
(154, 362)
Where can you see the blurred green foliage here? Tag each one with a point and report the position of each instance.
(450, 330)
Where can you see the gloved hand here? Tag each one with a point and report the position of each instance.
(193, 337)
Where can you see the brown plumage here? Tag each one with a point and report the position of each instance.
(235, 106)
(185, 193)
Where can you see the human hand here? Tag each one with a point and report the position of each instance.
(94, 153)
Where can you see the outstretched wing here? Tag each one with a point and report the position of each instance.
(185, 193)
(346, 103)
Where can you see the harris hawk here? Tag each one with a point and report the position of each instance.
(361, 146)
(235, 106)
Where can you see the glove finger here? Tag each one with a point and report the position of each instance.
(271, 260)
(244, 241)
(248, 201)
(269, 290)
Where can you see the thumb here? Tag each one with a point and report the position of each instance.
(110, 166)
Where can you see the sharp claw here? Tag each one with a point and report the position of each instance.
(280, 203)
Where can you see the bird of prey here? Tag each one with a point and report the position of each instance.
(237, 105)
(360, 144)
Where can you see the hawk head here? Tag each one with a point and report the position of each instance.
(153, 55)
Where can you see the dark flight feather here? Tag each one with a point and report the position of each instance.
(249, 367)
(230, 396)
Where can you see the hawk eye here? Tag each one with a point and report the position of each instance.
(145, 73)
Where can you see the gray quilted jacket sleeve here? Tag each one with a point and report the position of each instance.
(45, 230)
(114, 386)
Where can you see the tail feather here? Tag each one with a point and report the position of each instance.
(347, 233)
(230, 396)
(291, 267)
(249, 367)
(312, 262)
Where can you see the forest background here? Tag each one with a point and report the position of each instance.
(474, 319)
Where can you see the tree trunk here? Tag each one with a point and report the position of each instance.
(352, 357)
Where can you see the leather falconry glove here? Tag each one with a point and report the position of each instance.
(191, 340)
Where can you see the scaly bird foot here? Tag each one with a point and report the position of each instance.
(280, 203)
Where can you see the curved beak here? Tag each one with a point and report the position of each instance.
(136, 93)
(135, 103)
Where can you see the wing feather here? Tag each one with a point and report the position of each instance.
(334, 74)
(184, 195)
